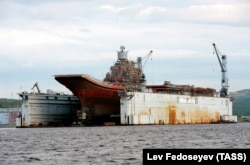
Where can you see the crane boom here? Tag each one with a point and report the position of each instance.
(224, 80)
(223, 69)
(36, 85)
(147, 57)
(140, 65)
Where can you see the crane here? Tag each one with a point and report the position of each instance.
(140, 65)
(224, 80)
(36, 85)
(147, 57)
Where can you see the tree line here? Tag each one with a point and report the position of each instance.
(10, 103)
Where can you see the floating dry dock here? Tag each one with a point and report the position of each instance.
(47, 109)
(160, 108)
(124, 98)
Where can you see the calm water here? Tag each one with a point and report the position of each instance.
(112, 145)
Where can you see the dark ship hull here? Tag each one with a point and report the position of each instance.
(99, 100)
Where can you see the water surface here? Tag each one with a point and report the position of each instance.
(112, 145)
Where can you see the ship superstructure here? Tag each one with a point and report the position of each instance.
(126, 72)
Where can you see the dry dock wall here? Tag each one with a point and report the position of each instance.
(48, 110)
(158, 108)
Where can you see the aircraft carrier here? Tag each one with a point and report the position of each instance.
(124, 98)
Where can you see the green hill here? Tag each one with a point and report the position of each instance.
(9, 103)
(241, 103)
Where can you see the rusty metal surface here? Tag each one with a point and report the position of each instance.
(155, 108)
(98, 99)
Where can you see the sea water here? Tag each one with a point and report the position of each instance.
(112, 145)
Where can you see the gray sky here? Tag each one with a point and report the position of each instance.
(39, 39)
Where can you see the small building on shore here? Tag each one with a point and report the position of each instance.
(8, 116)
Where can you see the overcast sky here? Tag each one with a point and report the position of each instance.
(40, 39)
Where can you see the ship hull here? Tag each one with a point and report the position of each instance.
(99, 100)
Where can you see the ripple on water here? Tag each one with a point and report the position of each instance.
(112, 145)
